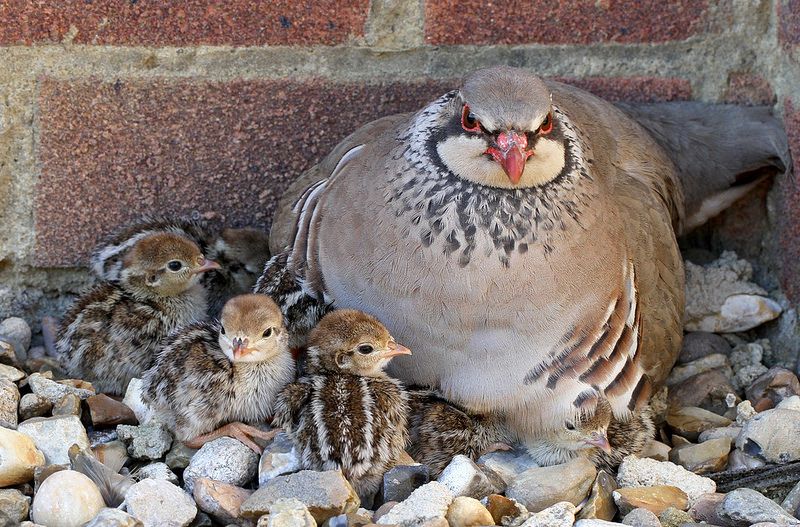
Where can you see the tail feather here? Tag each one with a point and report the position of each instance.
(721, 151)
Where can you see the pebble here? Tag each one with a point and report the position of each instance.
(699, 344)
(105, 411)
(17, 331)
(326, 494)
(70, 404)
(596, 523)
(179, 456)
(66, 499)
(792, 500)
(224, 459)
(730, 432)
(133, 400)
(468, 512)
(219, 500)
(746, 362)
(9, 401)
(508, 464)
(776, 384)
(708, 363)
(160, 503)
(505, 511)
(113, 454)
(656, 450)
(772, 435)
(656, 499)
(32, 405)
(279, 458)
(54, 391)
(114, 518)
(600, 503)
(709, 390)
(744, 412)
(14, 504)
(738, 460)
(641, 518)
(561, 514)
(7, 353)
(704, 508)
(636, 472)
(540, 487)
(744, 507)
(464, 478)
(428, 503)
(287, 512)
(11, 373)
(55, 435)
(150, 441)
(157, 471)
(673, 517)
(705, 458)
(691, 421)
(400, 481)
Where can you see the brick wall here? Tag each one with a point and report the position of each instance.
(110, 109)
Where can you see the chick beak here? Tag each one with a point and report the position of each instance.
(511, 153)
(396, 349)
(240, 348)
(600, 441)
(206, 265)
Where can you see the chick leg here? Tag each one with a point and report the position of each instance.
(239, 431)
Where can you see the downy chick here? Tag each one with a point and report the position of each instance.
(211, 374)
(346, 412)
(112, 332)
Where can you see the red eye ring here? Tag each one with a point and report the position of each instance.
(547, 125)
(468, 121)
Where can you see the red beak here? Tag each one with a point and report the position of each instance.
(240, 347)
(511, 153)
(396, 349)
(207, 265)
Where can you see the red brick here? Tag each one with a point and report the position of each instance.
(634, 89)
(113, 151)
(789, 22)
(748, 89)
(183, 22)
(789, 209)
(563, 21)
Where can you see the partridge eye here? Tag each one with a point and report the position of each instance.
(569, 426)
(547, 125)
(268, 333)
(365, 349)
(222, 330)
(468, 121)
(174, 265)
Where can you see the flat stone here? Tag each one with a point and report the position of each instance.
(772, 435)
(14, 504)
(709, 390)
(179, 456)
(729, 432)
(464, 478)
(113, 454)
(596, 523)
(744, 507)
(278, 458)
(641, 518)
(673, 517)
(656, 499)
(468, 512)
(114, 518)
(287, 512)
(158, 471)
(505, 511)
(683, 372)
(326, 494)
(704, 508)
(149, 441)
(644, 472)
(400, 481)
(705, 458)
(70, 404)
(159, 502)
(54, 391)
(32, 405)
(55, 435)
(690, 422)
(540, 487)
(66, 499)
(9, 402)
(224, 459)
(699, 344)
(220, 500)
(428, 503)
(601, 500)
(508, 464)
(106, 411)
(11, 373)
(656, 450)
(776, 384)
(561, 514)
(738, 460)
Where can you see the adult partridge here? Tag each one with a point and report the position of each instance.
(520, 236)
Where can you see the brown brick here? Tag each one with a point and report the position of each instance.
(635, 89)
(789, 22)
(113, 151)
(748, 89)
(182, 22)
(562, 22)
(789, 209)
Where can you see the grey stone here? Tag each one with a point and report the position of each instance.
(673, 517)
(464, 478)
(11, 373)
(157, 471)
(54, 435)
(730, 432)
(707, 457)
(641, 518)
(428, 503)
(699, 344)
(790, 403)
(54, 391)
(596, 523)
(738, 460)
(279, 458)
(744, 507)
(561, 514)
(114, 518)
(400, 481)
(645, 472)
(224, 459)
(685, 371)
(540, 487)
(9, 402)
(179, 456)
(325, 494)
(792, 500)
(772, 435)
(508, 463)
(159, 502)
(17, 331)
(70, 404)
(150, 441)
(32, 405)
(14, 504)
(746, 362)
(288, 512)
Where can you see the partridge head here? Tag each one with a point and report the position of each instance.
(243, 253)
(251, 329)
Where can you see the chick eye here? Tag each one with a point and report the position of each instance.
(547, 125)
(569, 426)
(222, 330)
(268, 333)
(175, 265)
(365, 349)
(468, 120)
